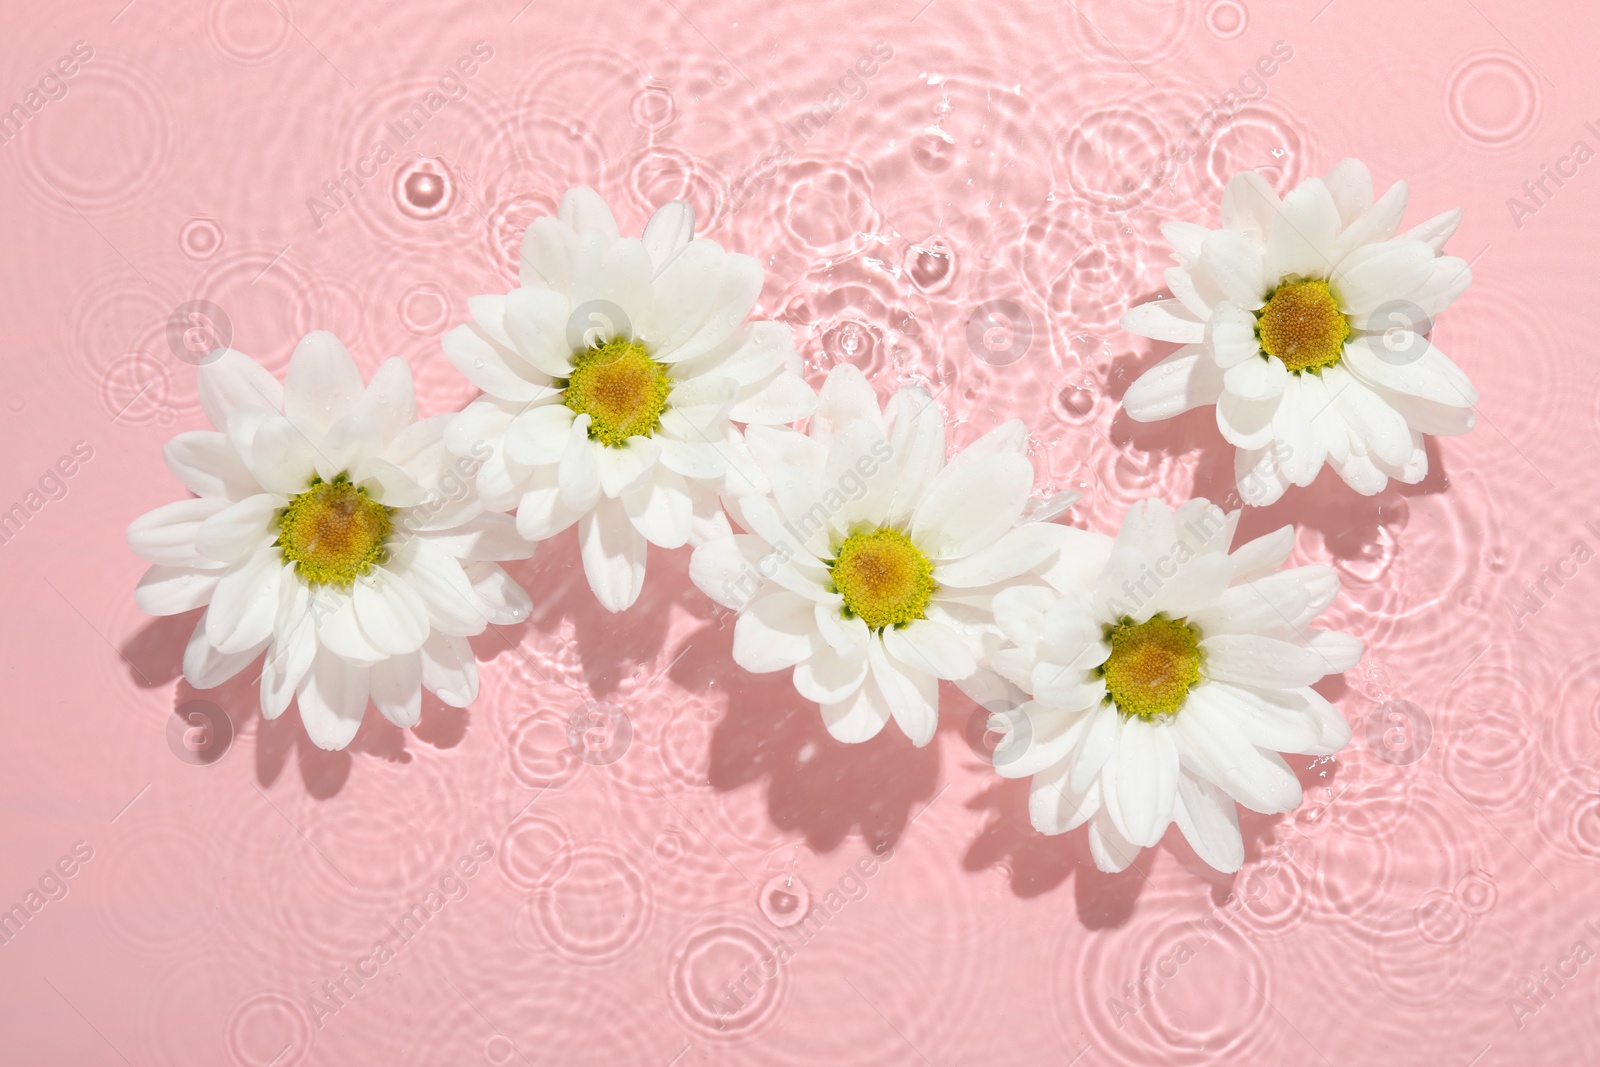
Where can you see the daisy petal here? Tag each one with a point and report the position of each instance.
(338, 631)
(1186, 239)
(579, 474)
(1197, 583)
(969, 506)
(544, 510)
(1234, 264)
(333, 697)
(206, 668)
(1379, 426)
(487, 537)
(548, 247)
(1256, 379)
(502, 600)
(1350, 184)
(727, 569)
(845, 397)
(1268, 603)
(167, 534)
(536, 323)
(437, 577)
(1437, 230)
(858, 718)
(1209, 821)
(1362, 474)
(287, 661)
(1182, 284)
(1424, 372)
(668, 232)
(1037, 739)
(486, 365)
(1301, 238)
(1274, 719)
(1213, 748)
(623, 467)
(322, 385)
(233, 381)
(912, 696)
(1111, 851)
(828, 677)
(1165, 320)
(1378, 223)
(1334, 728)
(387, 483)
(930, 648)
(1018, 551)
(1266, 662)
(1231, 336)
(1337, 651)
(392, 614)
(613, 556)
(917, 443)
(1189, 378)
(174, 590)
(610, 288)
(241, 529)
(390, 399)
(245, 603)
(583, 210)
(1260, 557)
(1244, 422)
(776, 630)
(660, 509)
(1055, 809)
(1425, 416)
(397, 689)
(1260, 480)
(1295, 428)
(780, 400)
(449, 671)
(1146, 781)
(1249, 205)
(1099, 745)
(207, 465)
(1373, 274)
(281, 456)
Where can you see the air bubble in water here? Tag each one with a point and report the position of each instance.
(424, 189)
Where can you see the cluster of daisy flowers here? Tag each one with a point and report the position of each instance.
(1148, 679)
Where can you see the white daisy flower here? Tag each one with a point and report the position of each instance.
(1166, 675)
(333, 531)
(871, 567)
(1303, 321)
(614, 378)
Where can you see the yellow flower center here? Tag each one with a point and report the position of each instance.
(334, 532)
(620, 388)
(884, 578)
(1301, 324)
(1152, 666)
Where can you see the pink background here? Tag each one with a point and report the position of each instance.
(997, 154)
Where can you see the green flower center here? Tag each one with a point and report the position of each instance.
(334, 532)
(1152, 666)
(1302, 325)
(884, 578)
(620, 388)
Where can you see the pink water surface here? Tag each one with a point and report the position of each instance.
(642, 823)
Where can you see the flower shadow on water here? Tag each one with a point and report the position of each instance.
(815, 786)
(154, 655)
(607, 648)
(1348, 523)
